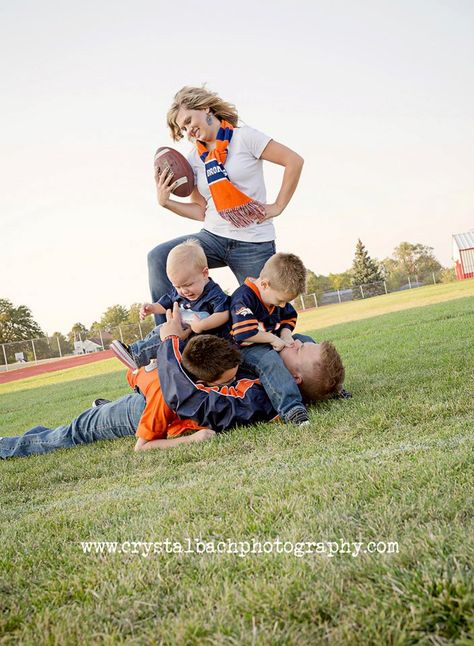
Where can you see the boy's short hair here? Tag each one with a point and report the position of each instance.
(207, 356)
(188, 252)
(326, 377)
(286, 273)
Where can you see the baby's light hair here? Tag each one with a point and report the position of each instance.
(188, 253)
(286, 273)
(326, 377)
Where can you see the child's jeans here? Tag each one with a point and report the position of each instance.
(279, 385)
(144, 351)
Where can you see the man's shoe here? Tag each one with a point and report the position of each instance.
(100, 401)
(122, 352)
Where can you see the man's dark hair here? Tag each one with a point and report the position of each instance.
(207, 356)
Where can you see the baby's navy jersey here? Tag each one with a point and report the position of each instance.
(250, 315)
(212, 300)
(216, 407)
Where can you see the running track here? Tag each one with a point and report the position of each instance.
(53, 366)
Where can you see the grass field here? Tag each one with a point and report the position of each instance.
(394, 464)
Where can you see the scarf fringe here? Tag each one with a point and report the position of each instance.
(244, 215)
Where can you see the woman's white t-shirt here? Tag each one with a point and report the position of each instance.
(245, 170)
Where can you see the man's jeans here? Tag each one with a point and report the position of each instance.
(279, 385)
(243, 258)
(107, 422)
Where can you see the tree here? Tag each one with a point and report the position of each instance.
(134, 313)
(77, 330)
(412, 259)
(364, 269)
(315, 283)
(17, 323)
(113, 317)
(338, 281)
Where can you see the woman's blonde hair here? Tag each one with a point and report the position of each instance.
(198, 98)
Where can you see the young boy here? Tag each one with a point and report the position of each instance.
(262, 324)
(204, 306)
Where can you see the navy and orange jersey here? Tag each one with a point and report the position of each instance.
(250, 315)
(158, 421)
(212, 300)
(219, 408)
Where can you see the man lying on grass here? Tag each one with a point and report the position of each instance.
(196, 388)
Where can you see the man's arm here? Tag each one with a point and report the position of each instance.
(198, 436)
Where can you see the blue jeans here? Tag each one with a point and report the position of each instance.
(279, 385)
(243, 258)
(144, 351)
(107, 422)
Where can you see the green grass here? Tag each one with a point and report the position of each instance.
(395, 463)
(321, 317)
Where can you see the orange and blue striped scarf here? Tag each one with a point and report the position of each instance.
(235, 207)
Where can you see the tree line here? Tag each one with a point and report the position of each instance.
(17, 322)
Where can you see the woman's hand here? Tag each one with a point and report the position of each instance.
(271, 211)
(164, 186)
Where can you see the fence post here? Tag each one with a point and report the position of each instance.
(140, 328)
(385, 285)
(339, 295)
(409, 281)
(361, 291)
(434, 279)
(34, 351)
(121, 335)
(5, 355)
(302, 303)
(315, 300)
(101, 339)
(59, 347)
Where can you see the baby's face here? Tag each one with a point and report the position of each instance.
(189, 282)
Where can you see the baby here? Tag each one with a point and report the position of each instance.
(204, 306)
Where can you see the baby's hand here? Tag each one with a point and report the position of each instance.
(145, 310)
(196, 324)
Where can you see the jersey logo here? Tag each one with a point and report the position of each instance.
(243, 311)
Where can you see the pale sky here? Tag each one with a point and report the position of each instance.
(376, 95)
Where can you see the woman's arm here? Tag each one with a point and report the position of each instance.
(194, 210)
(293, 163)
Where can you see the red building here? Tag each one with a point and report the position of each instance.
(463, 254)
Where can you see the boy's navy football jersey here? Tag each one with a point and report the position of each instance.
(212, 300)
(249, 314)
(216, 407)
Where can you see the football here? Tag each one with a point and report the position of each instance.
(183, 176)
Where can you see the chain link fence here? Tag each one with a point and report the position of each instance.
(395, 283)
(18, 354)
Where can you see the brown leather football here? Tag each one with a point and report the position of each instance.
(183, 176)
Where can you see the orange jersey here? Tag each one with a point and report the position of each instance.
(158, 421)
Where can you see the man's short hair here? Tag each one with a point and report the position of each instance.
(188, 253)
(286, 273)
(327, 376)
(206, 357)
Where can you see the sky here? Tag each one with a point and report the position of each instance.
(376, 95)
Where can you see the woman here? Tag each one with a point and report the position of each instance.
(230, 196)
